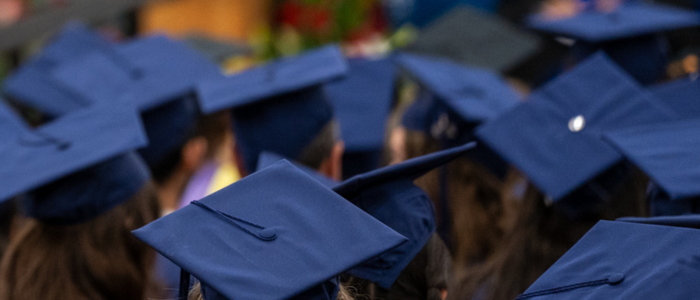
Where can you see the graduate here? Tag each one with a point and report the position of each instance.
(420, 268)
(281, 108)
(576, 178)
(84, 188)
(452, 100)
(362, 102)
(276, 234)
(630, 32)
(146, 76)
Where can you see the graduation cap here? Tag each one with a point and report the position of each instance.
(687, 221)
(454, 100)
(555, 137)
(272, 235)
(32, 86)
(389, 195)
(468, 36)
(160, 78)
(627, 35)
(620, 260)
(279, 107)
(680, 96)
(268, 159)
(74, 40)
(77, 167)
(667, 154)
(362, 103)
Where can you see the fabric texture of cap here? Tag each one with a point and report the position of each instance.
(680, 96)
(621, 260)
(268, 159)
(389, 195)
(272, 235)
(362, 103)
(280, 107)
(668, 153)
(555, 137)
(76, 167)
(475, 38)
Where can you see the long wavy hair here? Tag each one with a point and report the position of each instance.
(542, 233)
(93, 260)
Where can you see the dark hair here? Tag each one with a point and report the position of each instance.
(97, 259)
(8, 210)
(479, 213)
(541, 234)
(321, 147)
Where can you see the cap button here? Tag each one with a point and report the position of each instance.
(577, 123)
(268, 234)
(616, 278)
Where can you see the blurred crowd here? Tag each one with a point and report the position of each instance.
(490, 151)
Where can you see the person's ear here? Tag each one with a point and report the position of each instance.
(333, 165)
(194, 153)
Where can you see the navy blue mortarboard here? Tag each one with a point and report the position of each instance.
(159, 77)
(474, 38)
(32, 86)
(627, 34)
(279, 107)
(76, 167)
(267, 159)
(454, 100)
(555, 138)
(472, 95)
(668, 154)
(272, 235)
(687, 221)
(362, 102)
(389, 195)
(680, 96)
(621, 260)
(74, 40)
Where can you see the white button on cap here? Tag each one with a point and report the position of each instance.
(577, 123)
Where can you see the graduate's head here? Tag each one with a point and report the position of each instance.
(275, 234)
(84, 188)
(630, 33)
(282, 108)
(298, 126)
(143, 73)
